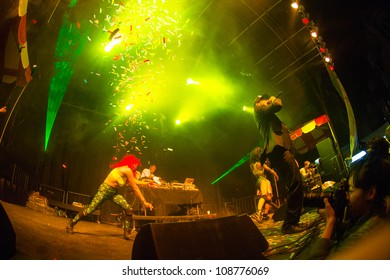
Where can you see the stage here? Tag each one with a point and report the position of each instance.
(42, 236)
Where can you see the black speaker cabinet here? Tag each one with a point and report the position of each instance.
(227, 238)
(331, 163)
(7, 236)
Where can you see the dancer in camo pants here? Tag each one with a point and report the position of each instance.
(122, 174)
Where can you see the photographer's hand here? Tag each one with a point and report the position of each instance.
(330, 218)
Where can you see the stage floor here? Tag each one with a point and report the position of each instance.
(41, 236)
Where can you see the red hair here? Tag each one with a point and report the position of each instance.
(129, 161)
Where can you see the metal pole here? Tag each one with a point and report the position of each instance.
(10, 114)
(336, 144)
(277, 192)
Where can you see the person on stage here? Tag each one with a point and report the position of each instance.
(307, 173)
(264, 188)
(122, 174)
(148, 173)
(276, 143)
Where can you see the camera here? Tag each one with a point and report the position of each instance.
(336, 195)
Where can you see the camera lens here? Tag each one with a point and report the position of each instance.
(316, 199)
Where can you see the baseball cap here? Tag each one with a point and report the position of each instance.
(261, 97)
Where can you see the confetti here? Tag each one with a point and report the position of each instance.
(138, 63)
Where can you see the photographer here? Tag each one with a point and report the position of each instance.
(367, 190)
(307, 173)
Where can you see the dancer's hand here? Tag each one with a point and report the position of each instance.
(148, 205)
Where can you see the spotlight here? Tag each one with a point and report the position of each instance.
(314, 32)
(301, 10)
(190, 81)
(327, 59)
(294, 5)
(358, 156)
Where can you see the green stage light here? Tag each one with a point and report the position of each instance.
(69, 46)
(238, 164)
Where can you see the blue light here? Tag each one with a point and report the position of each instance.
(358, 156)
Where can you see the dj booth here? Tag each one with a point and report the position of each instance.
(168, 201)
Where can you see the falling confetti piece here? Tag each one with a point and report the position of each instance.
(138, 64)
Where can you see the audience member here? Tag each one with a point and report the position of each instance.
(368, 189)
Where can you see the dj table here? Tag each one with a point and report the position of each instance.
(168, 201)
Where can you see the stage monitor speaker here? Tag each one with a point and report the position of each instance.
(331, 164)
(227, 238)
(7, 236)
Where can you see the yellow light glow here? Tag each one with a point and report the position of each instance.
(309, 127)
(129, 107)
(294, 5)
(192, 82)
(115, 41)
(248, 109)
(177, 122)
(314, 32)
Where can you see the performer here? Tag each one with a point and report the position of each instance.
(264, 187)
(148, 173)
(276, 142)
(123, 173)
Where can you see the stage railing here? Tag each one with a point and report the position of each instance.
(20, 179)
(78, 198)
(52, 193)
(246, 205)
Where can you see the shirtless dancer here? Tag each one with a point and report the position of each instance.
(123, 173)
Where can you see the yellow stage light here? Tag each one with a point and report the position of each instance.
(294, 5)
